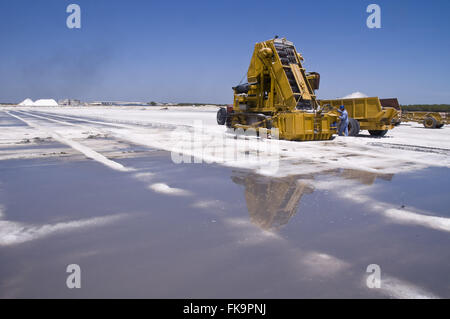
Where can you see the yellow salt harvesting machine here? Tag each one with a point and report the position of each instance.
(279, 93)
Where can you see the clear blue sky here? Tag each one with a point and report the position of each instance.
(196, 50)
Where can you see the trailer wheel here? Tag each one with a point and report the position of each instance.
(379, 133)
(221, 116)
(430, 122)
(353, 127)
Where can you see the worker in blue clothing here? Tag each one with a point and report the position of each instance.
(343, 125)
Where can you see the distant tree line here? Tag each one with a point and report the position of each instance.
(186, 104)
(190, 104)
(427, 107)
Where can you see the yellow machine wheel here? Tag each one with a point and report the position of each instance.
(221, 116)
(379, 133)
(430, 122)
(353, 127)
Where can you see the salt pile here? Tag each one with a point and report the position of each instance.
(354, 95)
(45, 102)
(27, 102)
(42, 102)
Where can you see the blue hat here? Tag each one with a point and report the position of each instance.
(342, 107)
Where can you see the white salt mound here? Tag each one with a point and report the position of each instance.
(44, 102)
(27, 102)
(354, 95)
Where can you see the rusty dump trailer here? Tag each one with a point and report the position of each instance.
(428, 119)
(365, 113)
(393, 102)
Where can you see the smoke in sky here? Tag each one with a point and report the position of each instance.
(65, 73)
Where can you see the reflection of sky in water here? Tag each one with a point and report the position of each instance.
(271, 202)
(234, 234)
(425, 190)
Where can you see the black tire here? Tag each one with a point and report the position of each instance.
(379, 133)
(430, 122)
(440, 125)
(353, 127)
(221, 116)
(396, 122)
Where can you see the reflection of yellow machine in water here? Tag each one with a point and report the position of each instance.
(366, 178)
(272, 202)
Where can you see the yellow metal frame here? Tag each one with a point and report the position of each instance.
(440, 118)
(367, 111)
(277, 85)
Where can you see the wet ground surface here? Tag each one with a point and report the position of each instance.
(218, 232)
(235, 234)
